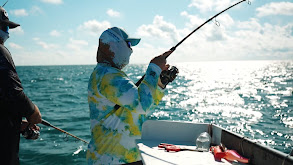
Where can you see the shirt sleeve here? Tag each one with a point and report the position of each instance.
(12, 97)
(119, 89)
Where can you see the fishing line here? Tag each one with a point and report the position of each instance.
(46, 123)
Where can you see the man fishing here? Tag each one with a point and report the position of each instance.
(117, 105)
(14, 104)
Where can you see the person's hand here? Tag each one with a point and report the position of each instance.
(29, 131)
(36, 117)
(25, 124)
(161, 60)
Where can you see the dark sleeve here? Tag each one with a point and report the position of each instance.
(12, 97)
(24, 105)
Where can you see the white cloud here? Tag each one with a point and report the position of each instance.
(233, 40)
(36, 10)
(54, 57)
(113, 13)
(55, 33)
(17, 31)
(275, 8)
(44, 44)
(193, 20)
(78, 42)
(267, 38)
(95, 27)
(15, 46)
(76, 45)
(159, 29)
(210, 32)
(19, 12)
(57, 2)
(210, 5)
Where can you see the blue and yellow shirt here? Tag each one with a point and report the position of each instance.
(113, 134)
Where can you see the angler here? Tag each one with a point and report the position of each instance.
(14, 104)
(117, 105)
(115, 128)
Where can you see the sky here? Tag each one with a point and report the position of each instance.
(66, 32)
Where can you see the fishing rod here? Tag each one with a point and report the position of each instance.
(116, 107)
(217, 23)
(5, 3)
(46, 123)
(174, 47)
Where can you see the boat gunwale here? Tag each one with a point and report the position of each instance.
(245, 146)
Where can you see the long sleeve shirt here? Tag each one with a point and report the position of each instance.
(114, 131)
(13, 101)
(14, 105)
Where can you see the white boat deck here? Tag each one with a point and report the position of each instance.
(152, 155)
(179, 134)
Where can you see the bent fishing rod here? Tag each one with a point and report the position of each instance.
(46, 123)
(174, 47)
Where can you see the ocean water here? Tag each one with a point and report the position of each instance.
(251, 98)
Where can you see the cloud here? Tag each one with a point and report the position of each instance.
(194, 20)
(56, 2)
(275, 8)
(159, 29)
(17, 31)
(166, 33)
(211, 32)
(95, 27)
(55, 33)
(36, 10)
(76, 45)
(210, 5)
(15, 46)
(113, 13)
(78, 42)
(19, 12)
(44, 44)
(265, 38)
(233, 40)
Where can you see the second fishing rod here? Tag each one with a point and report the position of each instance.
(30, 133)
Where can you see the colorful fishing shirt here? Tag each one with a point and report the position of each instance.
(114, 131)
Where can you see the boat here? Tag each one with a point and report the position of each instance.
(184, 135)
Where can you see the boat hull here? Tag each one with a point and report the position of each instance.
(186, 133)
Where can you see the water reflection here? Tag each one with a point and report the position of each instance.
(249, 97)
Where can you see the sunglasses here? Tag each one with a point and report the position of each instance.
(128, 43)
(5, 28)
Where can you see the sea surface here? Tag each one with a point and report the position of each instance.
(251, 98)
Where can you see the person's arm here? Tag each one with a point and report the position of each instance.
(119, 89)
(11, 92)
(36, 117)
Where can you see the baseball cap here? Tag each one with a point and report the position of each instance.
(124, 35)
(4, 20)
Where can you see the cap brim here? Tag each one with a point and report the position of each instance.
(10, 24)
(133, 41)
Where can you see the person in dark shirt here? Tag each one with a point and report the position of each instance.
(14, 104)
